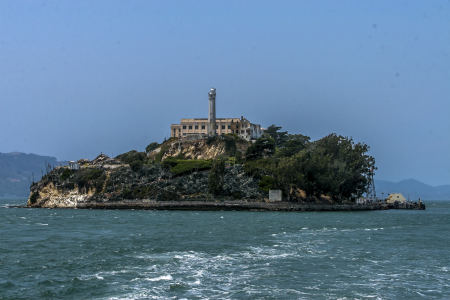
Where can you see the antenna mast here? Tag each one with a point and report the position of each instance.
(371, 193)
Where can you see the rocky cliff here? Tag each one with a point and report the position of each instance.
(207, 149)
(108, 180)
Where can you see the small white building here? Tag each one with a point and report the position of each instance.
(275, 195)
(396, 197)
(73, 165)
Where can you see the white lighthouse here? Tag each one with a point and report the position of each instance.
(212, 112)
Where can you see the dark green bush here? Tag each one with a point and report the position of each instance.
(230, 144)
(33, 197)
(136, 165)
(260, 167)
(131, 156)
(182, 166)
(66, 173)
(135, 159)
(127, 194)
(212, 139)
(90, 177)
(215, 178)
(266, 183)
(138, 192)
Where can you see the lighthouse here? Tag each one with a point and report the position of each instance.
(212, 112)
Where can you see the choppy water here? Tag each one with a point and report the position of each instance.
(131, 254)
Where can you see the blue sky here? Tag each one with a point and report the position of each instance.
(82, 77)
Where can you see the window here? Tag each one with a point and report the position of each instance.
(217, 126)
(184, 126)
(223, 127)
(196, 126)
(203, 126)
(190, 126)
(229, 126)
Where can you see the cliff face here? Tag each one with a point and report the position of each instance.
(106, 180)
(200, 149)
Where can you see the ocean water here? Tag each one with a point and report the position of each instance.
(132, 254)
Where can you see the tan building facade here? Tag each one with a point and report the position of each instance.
(199, 126)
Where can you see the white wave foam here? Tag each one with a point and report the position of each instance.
(163, 277)
(92, 276)
(373, 229)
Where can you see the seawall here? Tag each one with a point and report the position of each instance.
(242, 205)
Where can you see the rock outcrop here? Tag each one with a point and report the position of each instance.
(200, 148)
(107, 180)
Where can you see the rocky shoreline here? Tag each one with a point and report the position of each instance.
(237, 205)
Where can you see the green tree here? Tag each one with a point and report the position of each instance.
(279, 137)
(293, 144)
(263, 147)
(333, 166)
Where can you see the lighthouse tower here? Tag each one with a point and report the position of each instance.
(212, 112)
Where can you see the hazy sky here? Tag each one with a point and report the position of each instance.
(82, 77)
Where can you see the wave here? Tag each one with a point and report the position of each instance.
(163, 277)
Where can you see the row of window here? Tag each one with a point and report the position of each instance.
(203, 127)
(237, 132)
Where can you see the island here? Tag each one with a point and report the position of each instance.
(277, 172)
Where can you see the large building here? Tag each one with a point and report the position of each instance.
(212, 126)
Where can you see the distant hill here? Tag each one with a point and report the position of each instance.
(18, 170)
(413, 189)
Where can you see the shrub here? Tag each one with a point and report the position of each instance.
(66, 173)
(90, 177)
(131, 156)
(127, 194)
(33, 197)
(266, 183)
(138, 192)
(215, 178)
(134, 159)
(230, 144)
(181, 166)
(136, 165)
(261, 167)
(151, 147)
(212, 139)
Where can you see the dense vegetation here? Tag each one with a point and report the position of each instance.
(85, 178)
(334, 166)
